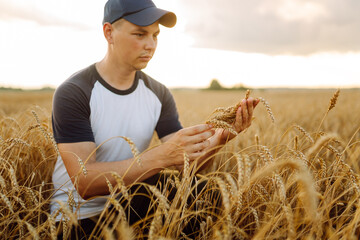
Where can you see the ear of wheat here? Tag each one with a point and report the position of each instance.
(226, 117)
(332, 104)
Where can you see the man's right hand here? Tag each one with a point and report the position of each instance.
(192, 141)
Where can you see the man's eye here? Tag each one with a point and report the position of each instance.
(139, 34)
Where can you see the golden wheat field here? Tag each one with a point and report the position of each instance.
(294, 178)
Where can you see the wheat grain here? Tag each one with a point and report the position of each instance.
(108, 183)
(268, 154)
(226, 117)
(39, 122)
(33, 127)
(324, 207)
(290, 219)
(240, 167)
(134, 150)
(66, 226)
(107, 234)
(163, 201)
(239, 202)
(221, 124)
(263, 191)
(281, 187)
(260, 195)
(124, 232)
(2, 183)
(32, 195)
(155, 225)
(19, 200)
(333, 100)
(33, 231)
(82, 166)
(268, 109)
(17, 141)
(226, 204)
(231, 183)
(67, 214)
(71, 200)
(186, 166)
(247, 170)
(247, 94)
(43, 156)
(256, 217)
(302, 130)
(7, 202)
(120, 184)
(119, 208)
(13, 177)
(52, 226)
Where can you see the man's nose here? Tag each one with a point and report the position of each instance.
(151, 43)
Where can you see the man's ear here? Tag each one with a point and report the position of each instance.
(108, 30)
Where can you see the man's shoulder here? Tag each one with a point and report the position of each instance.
(82, 77)
(81, 81)
(157, 87)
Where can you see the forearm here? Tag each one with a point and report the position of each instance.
(130, 170)
(171, 153)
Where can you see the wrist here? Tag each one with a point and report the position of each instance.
(156, 157)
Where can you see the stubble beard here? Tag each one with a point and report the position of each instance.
(139, 67)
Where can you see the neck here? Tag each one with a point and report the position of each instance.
(115, 74)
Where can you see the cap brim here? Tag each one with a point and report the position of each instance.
(150, 15)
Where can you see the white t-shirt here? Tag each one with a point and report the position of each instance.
(86, 108)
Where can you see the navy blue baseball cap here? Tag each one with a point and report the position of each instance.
(139, 12)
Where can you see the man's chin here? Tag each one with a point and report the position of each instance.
(139, 67)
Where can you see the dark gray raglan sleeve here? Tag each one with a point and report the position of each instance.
(71, 114)
(169, 118)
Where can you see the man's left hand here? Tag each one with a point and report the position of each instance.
(244, 115)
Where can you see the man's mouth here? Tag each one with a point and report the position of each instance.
(146, 57)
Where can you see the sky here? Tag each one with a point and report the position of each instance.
(256, 43)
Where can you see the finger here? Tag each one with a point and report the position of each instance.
(238, 120)
(195, 155)
(194, 130)
(250, 107)
(256, 102)
(199, 146)
(245, 113)
(198, 138)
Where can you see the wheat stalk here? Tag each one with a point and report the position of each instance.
(217, 123)
(7, 202)
(268, 109)
(302, 130)
(332, 104)
(333, 100)
(134, 150)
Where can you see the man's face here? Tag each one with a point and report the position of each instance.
(133, 46)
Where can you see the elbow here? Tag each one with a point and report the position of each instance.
(84, 194)
(83, 190)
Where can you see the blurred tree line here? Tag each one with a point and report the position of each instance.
(215, 85)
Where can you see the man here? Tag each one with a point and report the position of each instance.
(114, 98)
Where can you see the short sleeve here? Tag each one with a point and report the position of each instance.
(169, 118)
(71, 114)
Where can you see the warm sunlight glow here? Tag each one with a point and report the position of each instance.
(42, 46)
